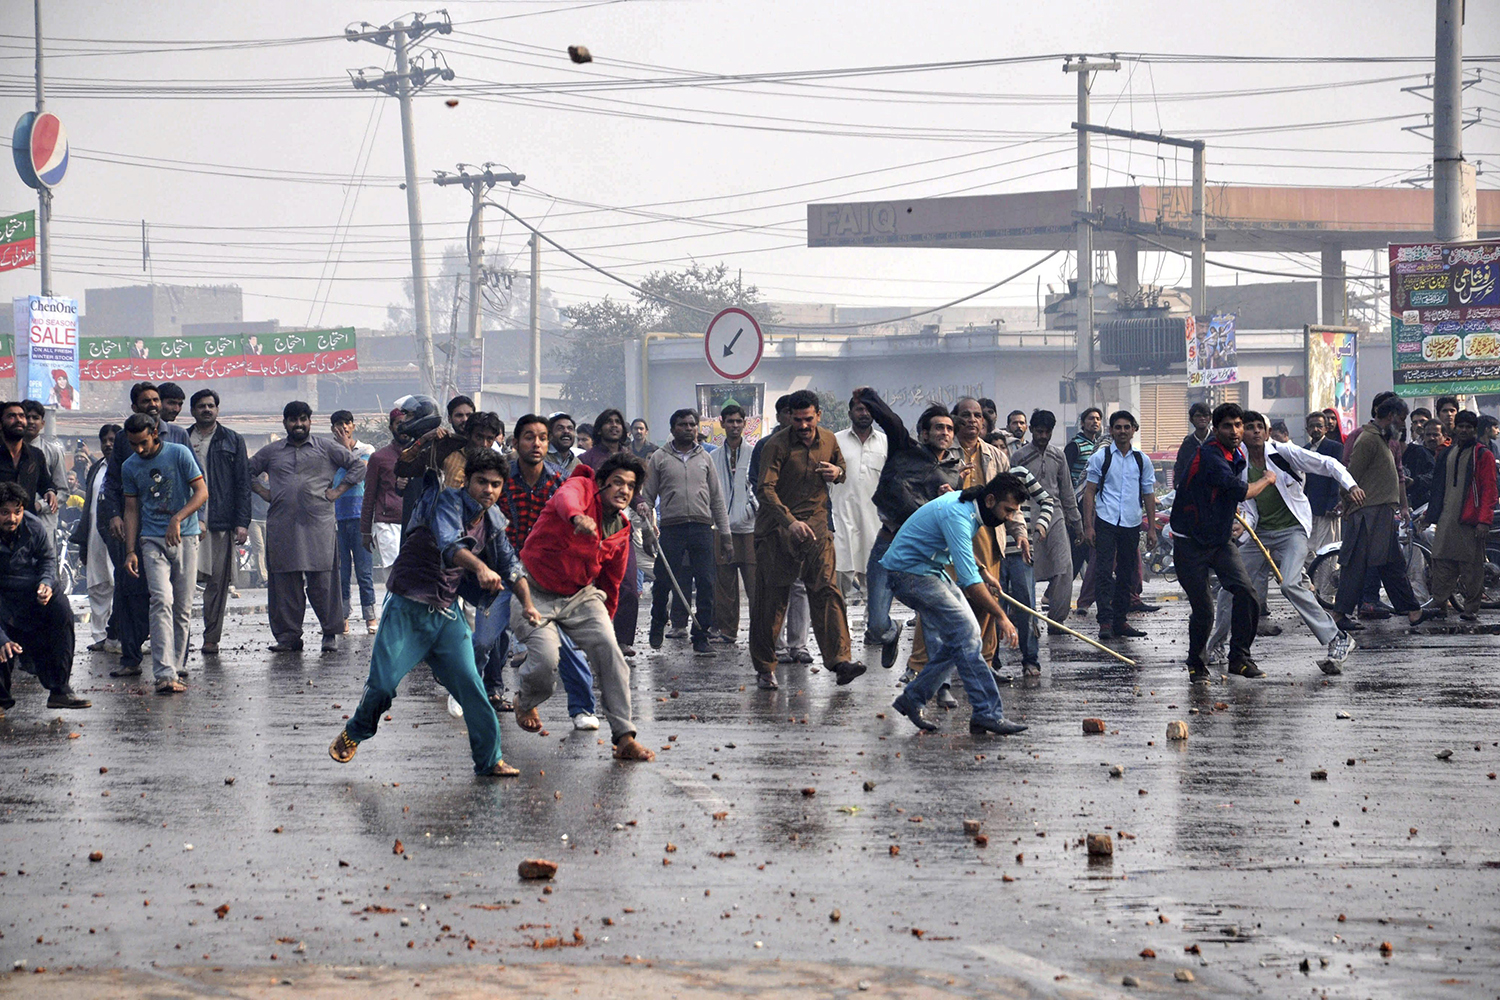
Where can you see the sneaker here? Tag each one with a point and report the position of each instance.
(800, 655)
(1141, 607)
(945, 697)
(701, 648)
(97, 647)
(627, 651)
(1031, 670)
(1199, 674)
(907, 676)
(111, 645)
(454, 708)
(342, 748)
(1373, 612)
(586, 721)
(909, 708)
(657, 632)
(1246, 668)
(847, 671)
(1000, 727)
(1218, 657)
(678, 632)
(1342, 645)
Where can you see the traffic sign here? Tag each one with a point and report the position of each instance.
(39, 146)
(733, 344)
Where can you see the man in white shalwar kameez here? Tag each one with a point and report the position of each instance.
(855, 521)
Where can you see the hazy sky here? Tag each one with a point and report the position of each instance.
(259, 188)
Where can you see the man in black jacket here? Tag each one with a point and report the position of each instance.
(1202, 523)
(915, 472)
(226, 516)
(132, 606)
(34, 621)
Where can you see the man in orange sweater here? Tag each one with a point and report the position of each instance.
(575, 560)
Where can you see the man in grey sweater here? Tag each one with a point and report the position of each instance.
(681, 477)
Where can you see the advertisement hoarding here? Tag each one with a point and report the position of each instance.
(1212, 353)
(1445, 318)
(1332, 364)
(52, 351)
(751, 396)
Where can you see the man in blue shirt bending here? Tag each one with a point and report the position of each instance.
(939, 535)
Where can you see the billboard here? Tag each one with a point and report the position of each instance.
(1445, 318)
(50, 328)
(712, 398)
(1332, 366)
(235, 355)
(1212, 353)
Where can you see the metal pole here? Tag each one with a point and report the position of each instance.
(535, 379)
(1084, 326)
(1447, 124)
(476, 236)
(43, 195)
(1085, 298)
(414, 216)
(1200, 237)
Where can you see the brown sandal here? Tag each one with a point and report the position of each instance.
(529, 720)
(171, 687)
(502, 770)
(630, 749)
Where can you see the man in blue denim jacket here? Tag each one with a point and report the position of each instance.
(454, 546)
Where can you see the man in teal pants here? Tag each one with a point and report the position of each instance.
(455, 545)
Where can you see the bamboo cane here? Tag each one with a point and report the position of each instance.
(1077, 635)
(1263, 550)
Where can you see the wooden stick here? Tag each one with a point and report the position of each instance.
(1263, 550)
(1077, 635)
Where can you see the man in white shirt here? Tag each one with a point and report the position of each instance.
(1118, 483)
(855, 520)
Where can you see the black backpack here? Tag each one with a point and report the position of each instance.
(1109, 456)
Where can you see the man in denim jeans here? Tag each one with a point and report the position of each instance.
(354, 559)
(940, 535)
(163, 489)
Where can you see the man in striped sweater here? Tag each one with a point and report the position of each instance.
(1018, 576)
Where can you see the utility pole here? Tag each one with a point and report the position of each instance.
(1454, 199)
(43, 193)
(410, 77)
(536, 325)
(1084, 301)
(477, 184)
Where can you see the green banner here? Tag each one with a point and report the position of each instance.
(273, 355)
(18, 240)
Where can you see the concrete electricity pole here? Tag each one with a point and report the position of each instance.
(1084, 336)
(411, 76)
(1455, 214)
(477, 184)
(535, 380)
(43, 193)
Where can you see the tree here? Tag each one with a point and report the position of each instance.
(593, 362)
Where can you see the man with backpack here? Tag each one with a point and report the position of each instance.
(1119, 486)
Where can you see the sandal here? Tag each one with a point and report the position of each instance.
(502, 770)
(529, 720)
(630, 749)
(500, 703)
(171, 687)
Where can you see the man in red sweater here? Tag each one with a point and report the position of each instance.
(575, 560)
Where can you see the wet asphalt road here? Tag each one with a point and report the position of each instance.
(1224, 843)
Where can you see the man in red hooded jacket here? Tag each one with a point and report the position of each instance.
(575, 560)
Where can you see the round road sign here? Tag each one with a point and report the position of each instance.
(733, 344)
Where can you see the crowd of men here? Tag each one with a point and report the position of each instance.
(960, 518)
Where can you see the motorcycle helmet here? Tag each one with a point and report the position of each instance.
(420, 415)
